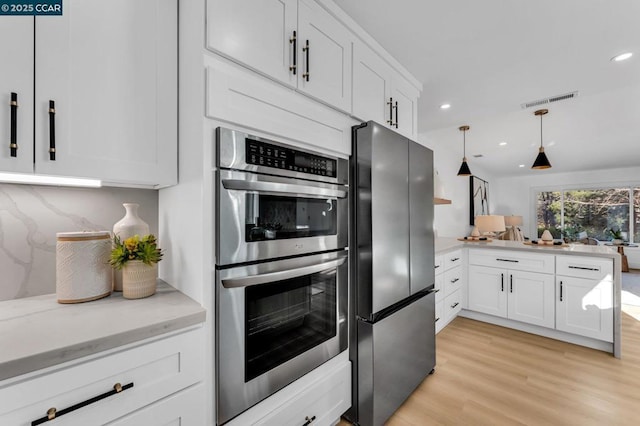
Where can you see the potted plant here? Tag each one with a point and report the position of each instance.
(617, 236)
(138, 258)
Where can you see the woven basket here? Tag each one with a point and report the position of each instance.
(138, 279)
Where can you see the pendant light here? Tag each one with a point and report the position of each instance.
(542, 162)
(464, 167)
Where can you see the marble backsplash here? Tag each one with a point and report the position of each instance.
(31, 215)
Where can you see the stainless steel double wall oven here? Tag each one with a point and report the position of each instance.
(281, 266)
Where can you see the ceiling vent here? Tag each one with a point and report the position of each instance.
(549, 100)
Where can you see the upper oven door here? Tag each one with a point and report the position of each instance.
(265, 217)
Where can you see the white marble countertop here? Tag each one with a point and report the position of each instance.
(38, 332)
(443, 245)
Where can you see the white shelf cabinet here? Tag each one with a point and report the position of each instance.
(381, 94)
(110, 69)
(157, 368)
(584, 297)
(518, 292)
(260, 35)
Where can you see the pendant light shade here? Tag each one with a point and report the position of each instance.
(542, 162)
(464, 167)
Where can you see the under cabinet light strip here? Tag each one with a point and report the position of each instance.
(48, 180)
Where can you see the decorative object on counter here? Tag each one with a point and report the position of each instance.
(464, 167)
(475, 236)
(513, 231)
(82, 266)
(131, 224)
(478, 198)
(475, 232)
(546, 243)
(542, 162)
(546, 236)
(138, 258)
(490, 225)
(616, 234)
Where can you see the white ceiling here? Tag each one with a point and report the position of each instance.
(488, 57)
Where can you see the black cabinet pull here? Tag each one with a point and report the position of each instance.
(454, 305)
(436, 290)
(455, 258)
(507, 260)
(52, 413)
(390, 120)
(583, 268)
(436, 266)
(52, 130)
(309, 420)
(306, 49)
(437, 319)
(510, 283)
(501, 282)
(13, 143)
(396, 123)
(561, 291)
(294, 40)
(455, 280)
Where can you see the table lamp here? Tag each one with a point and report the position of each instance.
(490, 224)
(513, 232)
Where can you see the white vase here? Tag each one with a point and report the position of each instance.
(138, 279)
(128, 226)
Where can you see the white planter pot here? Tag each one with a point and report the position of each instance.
(139, 279)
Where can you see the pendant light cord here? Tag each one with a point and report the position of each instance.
(540, 130)
(464, 143)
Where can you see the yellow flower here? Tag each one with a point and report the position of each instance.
(131, 243)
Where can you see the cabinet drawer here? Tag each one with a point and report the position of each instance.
(530, 262)
(320, 404)
(439, 315)
(452, 259)
(594, 268)
(438, 264)
(439, 287)
(452, 305)
(156, 369)
(452, 280)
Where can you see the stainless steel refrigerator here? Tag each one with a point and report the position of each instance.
(392, 330)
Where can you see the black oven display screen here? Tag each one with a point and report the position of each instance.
(271, 217)
(269, 155)
(286, 318)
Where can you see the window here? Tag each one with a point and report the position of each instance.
(574, 214)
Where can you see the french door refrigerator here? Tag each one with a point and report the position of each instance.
(392, 330)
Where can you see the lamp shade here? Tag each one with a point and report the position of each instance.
(542, 162)
(464, 168)
(513, 220)
(490, 223)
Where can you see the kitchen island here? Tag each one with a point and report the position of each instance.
(579, 289)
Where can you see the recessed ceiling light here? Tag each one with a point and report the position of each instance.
(521, 165)
(502, 143)
(622, 57)
(445, 106)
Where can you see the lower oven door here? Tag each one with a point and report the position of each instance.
(275, 322)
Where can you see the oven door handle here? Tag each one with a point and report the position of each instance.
(283, 188)
(281, 275)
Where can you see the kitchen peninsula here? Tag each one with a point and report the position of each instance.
(567, 293)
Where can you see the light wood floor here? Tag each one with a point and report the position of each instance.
(489, 375)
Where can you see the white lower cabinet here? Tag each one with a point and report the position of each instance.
(146, 373)
(452, 305)
(584, 304)
(439, 316)
(449, 284)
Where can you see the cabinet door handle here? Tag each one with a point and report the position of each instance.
(437, 319)
(507, 260)
(52, 130)
(306, 49)
(455, 280)
(309, 420)
(396, 107)
(13, 143)
(455, 258)
(583, 268)
(454, 305)
(561, 291)
(436, 290)
(53, 413)
(294, 40)
(390, 120)
(501, 282)
(510, 283)
(436, 266)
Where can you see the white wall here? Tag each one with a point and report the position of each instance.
(452, 220)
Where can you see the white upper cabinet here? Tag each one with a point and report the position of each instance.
(106, 77)
(257, 33)
(381, 94)
(16, 83)
(296, 42)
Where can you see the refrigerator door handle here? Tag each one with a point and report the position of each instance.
(281, 275)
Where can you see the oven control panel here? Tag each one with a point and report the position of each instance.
(268, 155)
